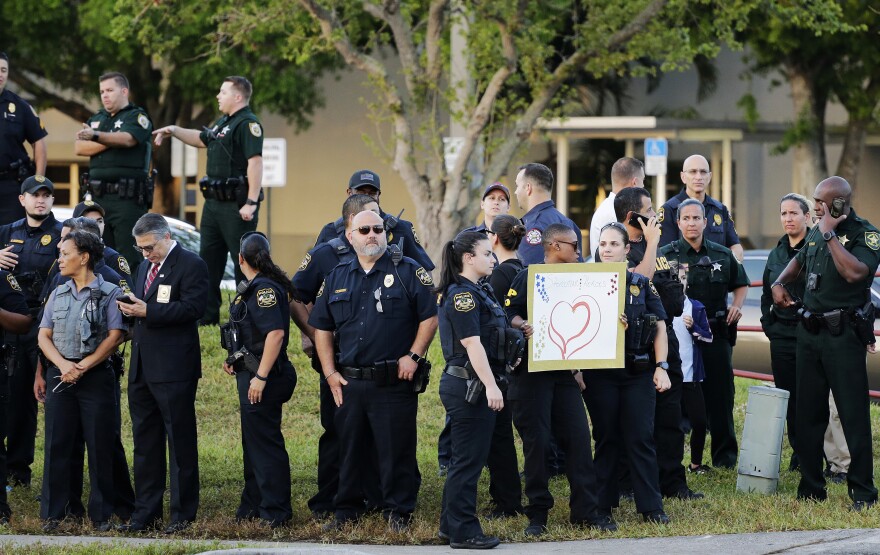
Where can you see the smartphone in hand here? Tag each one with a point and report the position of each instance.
(125, 299)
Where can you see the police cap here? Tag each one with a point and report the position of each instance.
(87, 206)
(363, 178)
(36, 182)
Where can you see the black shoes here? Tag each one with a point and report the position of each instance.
(51, 525)
(477, 542)
(686, 494)
(656, 517)
(859, 506)
(699, 469)
(178, 526)
(535, 529)
(139, 526)
(603, 523)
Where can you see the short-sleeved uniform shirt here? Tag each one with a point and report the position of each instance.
(376, 314)
(37, 250)
(316, 266)
(536, 220)
(115, 163)
(404, 229)
(777, 260)
(19, 123)
(713, 272)
(862, 240)
(114, 316)
(11, 295)
(262, 308)
(232, 141)
(465, 310)
(719, 225)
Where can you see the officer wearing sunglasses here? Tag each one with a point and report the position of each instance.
(383, 314)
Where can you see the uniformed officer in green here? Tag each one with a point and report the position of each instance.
(713, 272)
(232, 187)
(838, 261)
(117, 139)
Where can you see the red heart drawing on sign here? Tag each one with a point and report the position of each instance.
(570, 328)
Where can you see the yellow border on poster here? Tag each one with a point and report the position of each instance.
(580, 268)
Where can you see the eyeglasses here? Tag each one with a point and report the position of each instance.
(365, 229)
(148, 249)
(378, 296)
(574, 244)
(58, 387)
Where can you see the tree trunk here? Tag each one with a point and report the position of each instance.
(853, 147)
(809, 165)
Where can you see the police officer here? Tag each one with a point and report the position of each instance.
(384, 316)
(534, 184)
(366, 182)
(470, 320)
(839, 261)
(546, 398)
(14, 318)
(232, 188)
(94, 211)
(81, 327)
(495, 202)
(621, 400)
(266, 380)
(20, 123)
(713, 272)
(780, 323)
(634, 210)
(307, 281)
(29, 248)
(696, 177)
(117, 140)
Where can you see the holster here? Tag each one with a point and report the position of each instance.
(422, 376)
(638, 363)
(385, 372)
(810, 321)
(835, 321)
(9, 358)
(474, 388)
(862, 321)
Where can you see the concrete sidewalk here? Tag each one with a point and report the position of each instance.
(824, 541)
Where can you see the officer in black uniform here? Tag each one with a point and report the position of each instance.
(696, 176)
(28, 248)
(233, 185)
(780, 323)
(620, 400)
(20, 123)
(473, 335)
(837, 325)
(92, 210)
(546, 399)
(633, 208)
(260, 315)
(366, 182)
(713, 272)
(117, 140)
(307, 281)
(384, 316)
(14, 318)
(81, 327)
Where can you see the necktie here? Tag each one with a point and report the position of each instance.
(150, 277)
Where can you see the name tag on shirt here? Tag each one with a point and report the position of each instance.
(163, 295)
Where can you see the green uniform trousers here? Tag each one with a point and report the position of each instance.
(120, 215)
(221, 229)
(837, 363)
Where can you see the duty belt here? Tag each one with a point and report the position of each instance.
(459, 372)
(367, 373)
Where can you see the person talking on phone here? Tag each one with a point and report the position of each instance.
(260, 315)
(837, 327)
(81, 327)
(470, 319)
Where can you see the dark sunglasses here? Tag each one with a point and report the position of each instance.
(365, 229)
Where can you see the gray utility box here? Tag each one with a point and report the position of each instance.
(760, 453)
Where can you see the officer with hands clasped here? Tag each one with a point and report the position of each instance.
(621, 401)
(473, 335)
(256, 336)
(837, 326)
(381, 307)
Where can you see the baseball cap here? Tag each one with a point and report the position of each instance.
(36, 182)
(497, 187)
(363, 178)
(87, 206)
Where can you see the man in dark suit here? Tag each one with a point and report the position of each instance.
(165, 370)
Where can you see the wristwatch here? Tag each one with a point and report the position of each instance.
(414, 356)
(663, 365)
(95, 135)
(828, 235)
(250, 202)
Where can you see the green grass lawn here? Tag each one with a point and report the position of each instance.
(723, 511)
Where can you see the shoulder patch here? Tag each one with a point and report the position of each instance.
(143, 120)
(534, 236)
(255, 128)
(653, 289)
(872, 239)
(416, 237)
(266, 297)
(660, 215)
(305, 262)
(123, 265)
(424, 276)
(321, 290)
(13, 283)
(125, 288)
(464, 302)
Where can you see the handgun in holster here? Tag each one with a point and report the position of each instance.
(422, 376)
(862, 321)
(474, 388)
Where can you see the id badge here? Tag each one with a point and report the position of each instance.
(163, 295)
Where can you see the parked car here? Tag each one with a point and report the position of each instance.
(183, 232)
(752, 351)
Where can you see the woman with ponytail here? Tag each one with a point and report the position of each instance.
(469, 317)
(266, 379)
